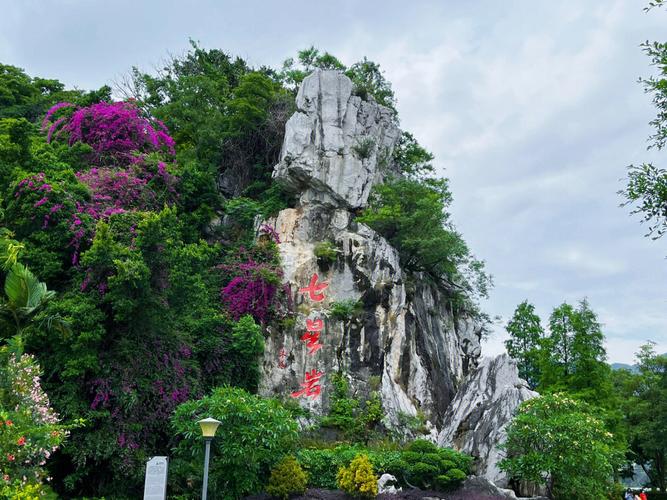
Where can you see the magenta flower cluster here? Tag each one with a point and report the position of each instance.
(252, 290)
(270, 232)
(115, 131)
(125, 178)
(36, 184)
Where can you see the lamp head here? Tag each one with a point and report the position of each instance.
(209, 426)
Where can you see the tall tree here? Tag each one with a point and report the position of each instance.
(573, 357)
(524, 344)
(644, 397)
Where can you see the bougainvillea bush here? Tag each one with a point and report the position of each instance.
(30, 430)
(117, 132)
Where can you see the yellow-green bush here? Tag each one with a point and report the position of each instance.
(358, 479)
(287, 478)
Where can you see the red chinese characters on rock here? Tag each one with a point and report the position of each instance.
(313, 289)
(312, 335)
(282, 358)
(311, 387)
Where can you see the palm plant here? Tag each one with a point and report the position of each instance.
(25, 297)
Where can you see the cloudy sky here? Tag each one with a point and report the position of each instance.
(532, 109)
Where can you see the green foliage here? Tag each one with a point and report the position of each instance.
(363, 149)
(557, 442)
(411, 214)
(22, 96)
(366, 75)
(227, 119)
(24, 297)
(525, 340)
(644, 405)
(358, 479)
(345, 310)
(413, 424)
(308, 60)
(573, 357)
(287, 478)
(20, 490)
(647, 188)
(647, 184)
(254, 434)
(368, 80)
(326, 252)
(357, 420)
(411, 158)
(247, 345)
(428, 466)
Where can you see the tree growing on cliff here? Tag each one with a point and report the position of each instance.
(411, 212)
(366, 75)
(526, 335)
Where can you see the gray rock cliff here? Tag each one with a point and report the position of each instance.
(404, 339)
(477, 419)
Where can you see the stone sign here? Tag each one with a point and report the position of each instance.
(155, 486)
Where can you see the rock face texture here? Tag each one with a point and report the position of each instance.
(336, 145)
(479, 414)
(402, 338)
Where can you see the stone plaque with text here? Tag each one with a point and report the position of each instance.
(155, 486)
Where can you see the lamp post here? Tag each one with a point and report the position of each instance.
(208, 428)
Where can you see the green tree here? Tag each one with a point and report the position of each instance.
(524, 344)
(644, 402)
(227, 119)
(411, 214)
(647, 184)
(366, 75)
(557, 442)
(573, 357)
(254, 435)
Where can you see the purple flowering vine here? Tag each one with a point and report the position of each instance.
(116, 131)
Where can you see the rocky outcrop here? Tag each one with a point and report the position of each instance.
(337, 146)
(477, 419)
(403, 340)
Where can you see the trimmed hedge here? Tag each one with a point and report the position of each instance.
(421, 464)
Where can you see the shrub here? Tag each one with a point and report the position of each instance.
(287, 478)
(115, 131)
(358, 479)
(29, 429)
(364, 148)
(345, 310)
(254, 434)
(20, 490)
(322, 464)
(557, 442)
(358, 422)
(326, 252)
(427, 466)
